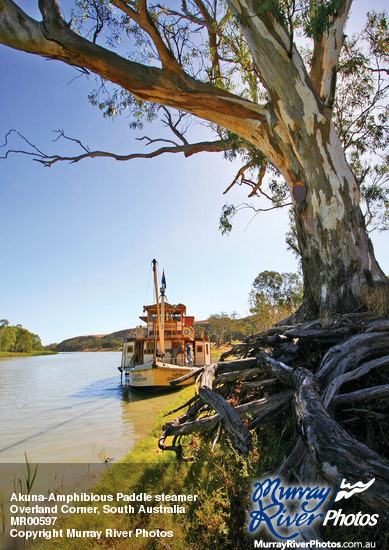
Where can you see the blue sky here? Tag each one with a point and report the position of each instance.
(77, 240)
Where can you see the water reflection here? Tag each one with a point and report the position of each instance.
(99, 388)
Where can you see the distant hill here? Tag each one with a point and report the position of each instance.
(93, 342)
(100, 341)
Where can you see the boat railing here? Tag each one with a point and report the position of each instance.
(179, 360)
(170, 327)
(168, 333)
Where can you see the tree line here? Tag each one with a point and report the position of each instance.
(15, 338)
(273, 297)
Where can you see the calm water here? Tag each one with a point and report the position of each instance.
(70, 408)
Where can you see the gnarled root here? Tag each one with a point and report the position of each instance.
(304, 368)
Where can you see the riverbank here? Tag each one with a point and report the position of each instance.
(25, 354)
(215, 518)
(193, 505)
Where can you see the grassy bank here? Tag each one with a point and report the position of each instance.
(220, 479)
(25, 354)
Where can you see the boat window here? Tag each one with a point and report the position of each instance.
(130, 348)
(177, 316)
(199, 349)
(149, 348)
(207, 348)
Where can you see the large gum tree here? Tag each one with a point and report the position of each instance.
(287, 115)
(240, 70)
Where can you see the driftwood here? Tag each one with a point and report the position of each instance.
(303, 369)
(334, 386)
(333, 451)
(378, 392)
(239, 433)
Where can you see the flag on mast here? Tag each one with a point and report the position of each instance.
(163, 279)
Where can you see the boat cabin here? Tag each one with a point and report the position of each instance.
(177, 330)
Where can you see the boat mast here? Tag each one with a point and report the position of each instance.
(160, 333)
(163, 321)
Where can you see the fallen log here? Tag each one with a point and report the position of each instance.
(206, 424)
(186, 376)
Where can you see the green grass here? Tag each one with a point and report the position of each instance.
(217, 351)
(220, 479)
(25, 354)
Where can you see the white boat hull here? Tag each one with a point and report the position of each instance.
(149, 376)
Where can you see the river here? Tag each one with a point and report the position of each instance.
(70, 407)
(67, 414)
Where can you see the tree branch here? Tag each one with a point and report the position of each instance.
(143, 19)
(326, 56)
(333, 387)
(239, 175)
(50, 10)
(237, 430)
(55, 40)
(188, 149)
(277, 61)
(212, 36)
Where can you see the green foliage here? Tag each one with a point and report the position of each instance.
(314, 17)
(7, 338)
(106, 343)
(317, 16)
(93, 17)
(276, 7)
(361, 118)
(377, 30)
(221, 327)
(29, 478)
(214, 50)
(228, 212)
(18, 339)
(275, 296)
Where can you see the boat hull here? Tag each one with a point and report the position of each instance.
(158, 377)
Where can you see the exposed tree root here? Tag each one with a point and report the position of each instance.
(303, 368)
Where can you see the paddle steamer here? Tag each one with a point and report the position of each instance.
(165, 348)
